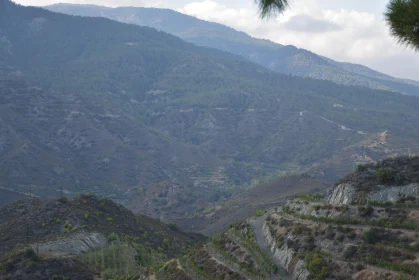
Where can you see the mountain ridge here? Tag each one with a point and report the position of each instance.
(277, 57)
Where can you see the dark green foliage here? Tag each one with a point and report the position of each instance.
(401, 15)
(403, 18)
(384, 175)
(307, 198)
(316, 265)
(173, 226)
(29, 253)
(69, 227)
(372, 236)
(63, 199)
(360, 168)
(271, 7)
(260, 212)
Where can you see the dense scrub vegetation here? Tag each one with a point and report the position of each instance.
(401, 170)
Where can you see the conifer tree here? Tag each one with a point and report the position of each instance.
(403, 18)
(401, 15)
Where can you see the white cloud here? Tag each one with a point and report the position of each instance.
(107, 3)
(358, 37)
(360, 34)
(213, 11)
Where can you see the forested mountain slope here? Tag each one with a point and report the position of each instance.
(106, 107)
(283, 59)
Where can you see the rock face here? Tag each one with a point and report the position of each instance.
(343, 194)
(346, 193)
(285, 256)
(393, 194)
(73, 245)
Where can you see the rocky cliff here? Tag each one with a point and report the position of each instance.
(286, 256)
(386, 181)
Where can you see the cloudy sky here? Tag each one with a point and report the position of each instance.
(352, 31)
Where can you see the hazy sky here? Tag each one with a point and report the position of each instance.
(352, 31)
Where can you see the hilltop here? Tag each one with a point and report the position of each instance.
(86, 233)
(283, 59)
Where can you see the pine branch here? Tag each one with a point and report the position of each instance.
(269, 8)
(403, 18)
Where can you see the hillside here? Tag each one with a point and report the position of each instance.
(317, 237)
(213, 211)
(311, 236)
(85, 235)
(89, 104)
(283, 59)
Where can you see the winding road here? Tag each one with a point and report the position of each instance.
(257, 223)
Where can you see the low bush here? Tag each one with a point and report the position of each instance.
(384, 175)
(316, 266)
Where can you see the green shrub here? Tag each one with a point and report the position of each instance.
(316, 266)
(63, 199)
(30, 254)
(372, 236)
(360, 168)
(384, 175)
(69, 227)
(307, 198)
(113, 236)
(259, 212)
(173, 226)
(5, 267)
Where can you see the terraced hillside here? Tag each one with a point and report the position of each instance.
(373, 236)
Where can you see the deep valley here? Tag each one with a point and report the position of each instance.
(203, 153)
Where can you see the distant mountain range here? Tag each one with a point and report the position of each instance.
(201, 137)
(91, 104)
(283, 59)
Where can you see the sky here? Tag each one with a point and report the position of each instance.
(352, 31)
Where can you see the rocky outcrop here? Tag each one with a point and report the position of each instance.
(72, 245)
(343, 194)
(393, 194)
(285, 256)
